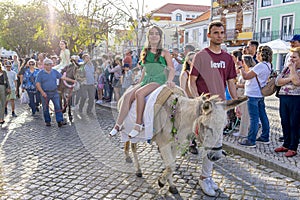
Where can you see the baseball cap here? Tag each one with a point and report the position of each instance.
(47, 61)
(295, 38)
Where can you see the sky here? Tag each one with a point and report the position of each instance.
(149, 4)
(154, 4)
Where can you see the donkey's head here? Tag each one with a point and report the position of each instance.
(208, 127)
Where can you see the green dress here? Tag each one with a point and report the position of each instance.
(154, 70)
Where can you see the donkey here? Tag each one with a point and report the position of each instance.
(203, 118)
(66, 89)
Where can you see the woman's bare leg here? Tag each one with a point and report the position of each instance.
(140, 95)
(129, 97)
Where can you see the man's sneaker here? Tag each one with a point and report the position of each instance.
(206, 187)
(260, 140)
(60, 124)
(213, 184)
(5, 111)
(13, 114)
(247, 143)
(48, 124)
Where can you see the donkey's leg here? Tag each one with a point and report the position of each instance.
(126, 151)
(138, 172)
(70, 109)
(169, 160)
(172, 187)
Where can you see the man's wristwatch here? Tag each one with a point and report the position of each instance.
(240, 67)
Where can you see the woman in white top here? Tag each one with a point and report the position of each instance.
(256, 77)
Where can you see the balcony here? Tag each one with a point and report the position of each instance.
(268, 36)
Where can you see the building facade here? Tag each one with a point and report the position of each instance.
(238, 17)
(277, 19)
(195, 31)
(170, 16)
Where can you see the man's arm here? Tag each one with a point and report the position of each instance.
(232, 88)
(192, 86)
(39, 88)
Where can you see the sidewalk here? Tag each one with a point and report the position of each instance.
(262, 154)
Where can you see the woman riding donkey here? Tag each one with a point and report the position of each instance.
(154, 59)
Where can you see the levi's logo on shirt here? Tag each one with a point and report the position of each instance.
(221, 64)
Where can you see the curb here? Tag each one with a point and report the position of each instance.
(279, 167)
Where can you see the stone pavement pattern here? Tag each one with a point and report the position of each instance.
(80, 161)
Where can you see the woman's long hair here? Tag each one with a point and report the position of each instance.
(147, 47)
(186, 66)
(266, 53)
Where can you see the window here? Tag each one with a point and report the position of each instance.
(193, 16)
(187, 15)
(265, 3)
(196, 35)
(178, 17)
(287, 1)
(287, 27)
(265, 29)
(230, 28)
(205, 35)
(247, 22)
(186, 37)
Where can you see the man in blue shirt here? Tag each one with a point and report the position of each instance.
(46, 83)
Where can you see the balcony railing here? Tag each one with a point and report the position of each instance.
(268, 36)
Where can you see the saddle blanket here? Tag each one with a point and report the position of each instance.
(148, 118)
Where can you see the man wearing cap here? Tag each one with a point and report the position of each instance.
(46, 84)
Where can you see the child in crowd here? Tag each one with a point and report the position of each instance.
(126, 79)
(100, 85)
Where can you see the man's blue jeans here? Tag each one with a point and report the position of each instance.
(257, 110)
(54, 97)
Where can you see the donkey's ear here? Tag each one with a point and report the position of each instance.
(230, 104)
(207, 107)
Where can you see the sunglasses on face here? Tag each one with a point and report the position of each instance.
(31, 64)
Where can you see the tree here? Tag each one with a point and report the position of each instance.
(138, 20)
(22, 27)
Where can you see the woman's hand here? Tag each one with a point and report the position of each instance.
(170, 84)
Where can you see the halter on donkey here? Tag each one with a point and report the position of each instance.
(202, 117)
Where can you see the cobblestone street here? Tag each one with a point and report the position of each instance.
(80, 161)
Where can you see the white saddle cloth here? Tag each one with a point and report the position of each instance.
(148, 119)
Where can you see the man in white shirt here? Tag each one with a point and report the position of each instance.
(177, 62)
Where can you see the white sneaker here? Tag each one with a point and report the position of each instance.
(206, 187)
(213, 184)
(99, 102)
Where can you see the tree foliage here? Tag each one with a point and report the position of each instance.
(39, 25)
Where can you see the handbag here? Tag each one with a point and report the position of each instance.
(24, 98)
(270, 88)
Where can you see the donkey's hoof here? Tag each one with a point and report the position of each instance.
(173, 190)
(160, 184)
(128, 160)
(139, 174)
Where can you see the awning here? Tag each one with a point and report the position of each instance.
(245, 36)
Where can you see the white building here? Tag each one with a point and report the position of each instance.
(170, 16)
